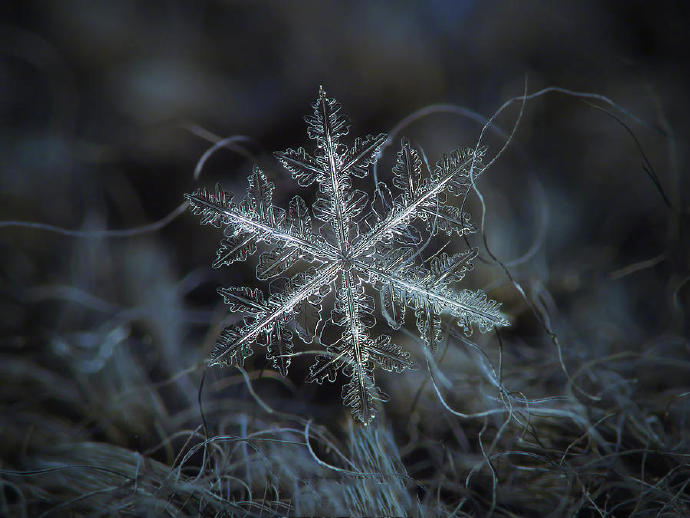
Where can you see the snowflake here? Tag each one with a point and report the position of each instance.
(355, 244)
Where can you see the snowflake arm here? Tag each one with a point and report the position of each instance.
(267, 321)
(421, 202)
(337, 204)
(467, 306)
(248, 222)
(357, 353)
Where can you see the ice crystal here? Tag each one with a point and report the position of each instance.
(355, 248)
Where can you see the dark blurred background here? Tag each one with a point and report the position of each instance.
(101, 93)
(106, 108)
(98, 100)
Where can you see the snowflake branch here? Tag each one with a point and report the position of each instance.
(288, 303)
(469, 306)
(402, 214)
(323, 250)
(360, 392)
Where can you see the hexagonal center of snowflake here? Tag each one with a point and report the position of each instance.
(346, 262)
